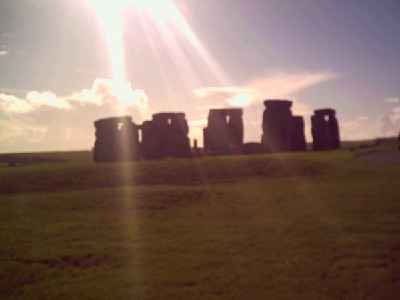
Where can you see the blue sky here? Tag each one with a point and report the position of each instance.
(58, 60)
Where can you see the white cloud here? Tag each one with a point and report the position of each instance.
(103, 92)
(241, 100)
(13, 105)
(227, 91)
(86, 96)
(34, 100)
(283, 84)
(38, 99)
(275, 85)
(392, 100)
(234, 96)
(3, 53)
(38, 121)
(107, 91)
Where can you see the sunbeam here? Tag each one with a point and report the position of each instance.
(110, 15)
(169, 27)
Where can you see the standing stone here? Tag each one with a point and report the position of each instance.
(151, 145)
(129, 141)
(325, 130)
(276, 125)
(281, 130)
(116, 139)
(297, 138)
(166, 136)
(224, 132)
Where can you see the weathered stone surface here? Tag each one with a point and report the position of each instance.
(116, 139)
(224, 132)
(281, 130)
(166, 136)
(325, 130)
(151, 146)
(297, 139)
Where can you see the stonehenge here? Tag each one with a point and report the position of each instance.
(117, 139)
(325, 130)
(166, 134)
(224, 133)
(281, 130)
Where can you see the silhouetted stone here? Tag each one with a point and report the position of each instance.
(151, 145)
(116, 139)
(281, 130)
(325, 130)
(224, 132)
(276, 125)
(297, 139)
(166, 136)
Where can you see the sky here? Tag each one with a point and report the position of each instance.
(66, 63)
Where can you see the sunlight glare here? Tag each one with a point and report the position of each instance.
(169, 22)
(110, 15)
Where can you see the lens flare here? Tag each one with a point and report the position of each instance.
(169, 23)
(110, 15)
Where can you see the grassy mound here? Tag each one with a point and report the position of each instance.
(84, 175)
(299, 225)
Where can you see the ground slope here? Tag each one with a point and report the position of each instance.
(307, 225)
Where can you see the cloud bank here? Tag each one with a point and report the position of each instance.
(102, 92)
(46, 116)
(276, 85)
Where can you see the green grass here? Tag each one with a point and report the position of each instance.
(39, 157)
(288, 226)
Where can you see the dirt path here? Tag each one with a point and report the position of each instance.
(388, 157)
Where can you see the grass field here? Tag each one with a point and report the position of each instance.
(274, 226)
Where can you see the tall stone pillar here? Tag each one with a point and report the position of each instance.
(281, 130)
(116, 140)
(277, 119)
(151, 146)
(224, 132)
(166, 135)
(325, 130)
(297, 138)
(178, 141)
(235, 127)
